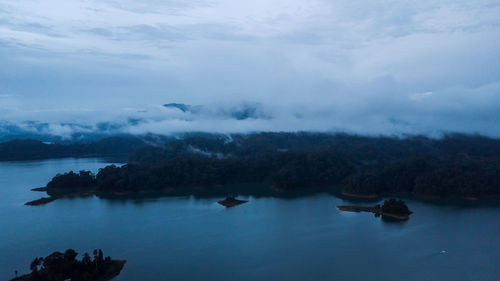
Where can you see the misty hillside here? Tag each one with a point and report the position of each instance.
(29, 149)
(151, 149)
(375, 149)
(456, 165)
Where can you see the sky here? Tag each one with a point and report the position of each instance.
(369, 67)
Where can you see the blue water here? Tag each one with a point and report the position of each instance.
(266, 239)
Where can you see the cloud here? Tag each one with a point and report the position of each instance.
(421, 96)
(422, 118)
(378, 67)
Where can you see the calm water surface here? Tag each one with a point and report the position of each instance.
(266, 239)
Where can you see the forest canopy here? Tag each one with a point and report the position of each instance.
(463, 166)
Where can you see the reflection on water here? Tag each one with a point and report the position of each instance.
(301, 238)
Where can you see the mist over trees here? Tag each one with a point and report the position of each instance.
(457, 165)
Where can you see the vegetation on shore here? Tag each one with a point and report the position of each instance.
(64, 266)
(395, 206)
(455, 166)
(70, 183)
(391, 208)
(29, 149)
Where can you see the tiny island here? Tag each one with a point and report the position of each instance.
(64, 266)
(231, 202)
(392, 208)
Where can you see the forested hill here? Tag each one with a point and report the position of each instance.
(358, 148)
(456, 165)
(146, 150)
(28, 149)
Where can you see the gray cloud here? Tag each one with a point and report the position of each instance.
(380, 67)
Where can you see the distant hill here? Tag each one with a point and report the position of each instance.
(241, 111)
(182, 107)
(29, 149)
(77, 133)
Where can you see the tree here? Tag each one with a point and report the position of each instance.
(395, 206)
(35, 264)
(70, 255)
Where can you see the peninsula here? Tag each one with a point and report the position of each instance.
(286, 163)
(391, 208)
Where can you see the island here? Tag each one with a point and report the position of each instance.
(392, 208)
(231, 202)
(64, 266)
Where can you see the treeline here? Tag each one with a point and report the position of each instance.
(456, 165)
(462, 176)
(359, 148)
(64, 266)
(71, 182)
(28, 149)
(395, 206)
(286, 171)
(152, 149)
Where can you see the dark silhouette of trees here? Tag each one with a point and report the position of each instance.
(430, 176)
(28, 149)
(395, 206)
(456, 165)
(63, 266)
(71, 182)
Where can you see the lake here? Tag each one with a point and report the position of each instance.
(172, 238)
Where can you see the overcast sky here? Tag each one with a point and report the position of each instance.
(380, 67)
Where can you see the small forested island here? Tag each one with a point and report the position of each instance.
(457, 166)
(393, 208)
(64, 266)
(231, 202)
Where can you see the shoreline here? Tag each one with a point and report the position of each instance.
(420, 196)
(374, 210)
(359, 195)
(223, 191)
